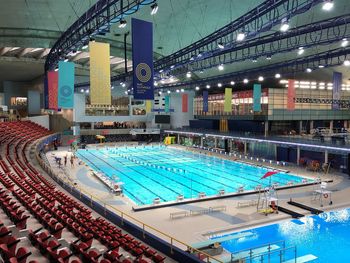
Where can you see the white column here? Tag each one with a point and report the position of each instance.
(266, 128)
(300, 126)
(92, 125)
(345, 124)
(298, 155)
(215, 142)
(331, 127)
(201, 141)
(230, 144)
(178, 138)
(326, 156)
(311, 125)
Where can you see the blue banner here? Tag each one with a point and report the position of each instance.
(337, 82)
(142, 59)
(205, 101)
(65, 85)
(46, 93)
(257, 97)
(166, 103)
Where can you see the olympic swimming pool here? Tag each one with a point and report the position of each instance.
(150, 172)
(320, 238)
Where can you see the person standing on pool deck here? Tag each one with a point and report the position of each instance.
(65, 160)
(71, 161)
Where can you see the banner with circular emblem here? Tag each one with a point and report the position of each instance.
(142, 57)
(65, 85)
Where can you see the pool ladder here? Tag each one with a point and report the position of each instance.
(270, 252)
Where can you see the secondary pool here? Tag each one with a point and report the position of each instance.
(322, 238)
(150, 172)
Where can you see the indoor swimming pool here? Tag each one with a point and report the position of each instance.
(150, 172)
(320, 238)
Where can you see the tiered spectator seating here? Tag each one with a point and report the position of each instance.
(28, 195)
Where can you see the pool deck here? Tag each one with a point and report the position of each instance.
(198, 227)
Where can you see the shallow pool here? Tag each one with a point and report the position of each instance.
(150, 172)
(323, 238)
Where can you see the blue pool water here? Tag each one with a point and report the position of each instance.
(325, 236)
(150, 172)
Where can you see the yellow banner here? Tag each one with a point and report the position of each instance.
(148, 106)
(228, 100)
(100, 73)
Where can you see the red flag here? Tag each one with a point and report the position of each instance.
(291, 95)
(269, 174)
(184, 102)
(52, 77)
(71, 141)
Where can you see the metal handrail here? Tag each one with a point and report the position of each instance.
(124, 215)
(276, 251)
(256, 247)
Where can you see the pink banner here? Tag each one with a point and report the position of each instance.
(291, 95)
(185, 102)
(52, 79)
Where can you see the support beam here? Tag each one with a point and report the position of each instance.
(201, 142)
(4, 50)
(331, 127)
(298, 155)
(326, 156)
(266, 133)
(23, 52)
(311, 125)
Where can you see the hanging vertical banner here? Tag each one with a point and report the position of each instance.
(52, 79)
(291, 95)
(100, 73)
(65, 85)
(167, 103)
(185, 102)
(257, 97)
(205, 101)
(46, 92)
(337, 82)
(148, 106)
(228, 100)
(142, 58)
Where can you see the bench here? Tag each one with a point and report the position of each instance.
(199, 212)
(247, 203)
(217, 208)
(178, 214)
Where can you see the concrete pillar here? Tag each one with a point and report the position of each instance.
(92, 125)
(298, 155)
(266, 133)
(345, 124)
(201, 141)
(245, 148)
(178, 138)
(300, 126)
(230, 144)
(331, 126)
(215, 142)
(326, 156)
(311, 125)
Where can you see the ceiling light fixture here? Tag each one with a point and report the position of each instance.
(240, 36)
(346, 63)
(188, 74)
(221, 45)
(327, 5)
(232, 83)
(219, 85)
(154, 9)
(308, 70)
(277, 76)
(261, 78)
(221, 67)
(122, 23)
(300, 50)
(344, 42)
(285, 25)
(208, 86)
(245, 81)
(197, 88)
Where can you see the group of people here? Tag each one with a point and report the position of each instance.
(72, 157)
